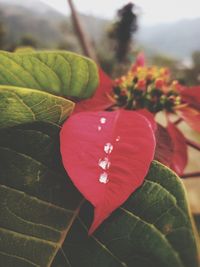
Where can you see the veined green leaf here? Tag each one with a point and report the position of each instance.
(152, 229)
(40, 222)
(38, 203)
(57, 72)
(22, 105)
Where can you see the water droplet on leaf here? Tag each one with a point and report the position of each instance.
(104, 163)
(103, 178)
(103, 120)
(118, 138)
(108, 148)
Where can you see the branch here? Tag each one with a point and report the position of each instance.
(191, 175)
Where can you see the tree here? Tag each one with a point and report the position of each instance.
(123, 30)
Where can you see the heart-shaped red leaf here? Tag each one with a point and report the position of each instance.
(101, 99)
(107, 155)
(191, 116)
(179, 157)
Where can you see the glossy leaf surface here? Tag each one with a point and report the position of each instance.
(107, 163)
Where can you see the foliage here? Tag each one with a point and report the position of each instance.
(44, 219)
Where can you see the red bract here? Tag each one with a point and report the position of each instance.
(164, 146)
(179, 157)
(192, 96)
(101, 99)
(144, 112)
(191, 116)
(107, 155)
(140, 60)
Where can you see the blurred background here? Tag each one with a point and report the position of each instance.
(114, 32)
(168, 33)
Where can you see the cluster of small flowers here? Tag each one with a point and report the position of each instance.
(147, 87)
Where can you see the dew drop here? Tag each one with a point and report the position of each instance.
(108, 148)
(103, 178)
(103, 120)
(118, 138)
(99, 128)
(104, 163)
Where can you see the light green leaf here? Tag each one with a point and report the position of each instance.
(57, 72)
(40, 223)
(21, 105)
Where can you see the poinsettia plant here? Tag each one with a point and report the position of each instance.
(81, 188)
(151, 88)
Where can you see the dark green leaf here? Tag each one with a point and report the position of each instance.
(152, 229)
(37, 203)
(60, 73)
(39, 222)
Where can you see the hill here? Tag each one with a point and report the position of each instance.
(51, 29)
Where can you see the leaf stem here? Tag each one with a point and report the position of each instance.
(191, 175)
(193, 144)
(178, 121)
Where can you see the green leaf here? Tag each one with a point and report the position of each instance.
(152, 229)
(37, 201)
(60, 73)
(197, 222)
(40, 223)
(21, 105)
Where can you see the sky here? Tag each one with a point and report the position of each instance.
(150, 11)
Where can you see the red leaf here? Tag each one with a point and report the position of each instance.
(191, 116)
(179, 158)
(107, 155)
(100, 99)
(148, 115)
(192, 96)
(164, 146)
(140, 60)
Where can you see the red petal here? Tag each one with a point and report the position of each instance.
(164, 146)
(87, 139)
(192, 96)
(179, 158)
(100, 99)
(191, 116)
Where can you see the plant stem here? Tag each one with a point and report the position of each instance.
(190, 175)
(178, 121)
(85, 42)
(193, 144)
